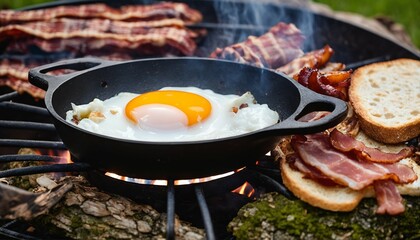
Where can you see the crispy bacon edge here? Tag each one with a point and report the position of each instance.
(346, 143)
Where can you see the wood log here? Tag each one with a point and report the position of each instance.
(81, 211)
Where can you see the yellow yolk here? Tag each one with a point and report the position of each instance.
(168, 109)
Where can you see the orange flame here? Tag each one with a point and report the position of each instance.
(60, 156)
(246, 189)
(165, 182)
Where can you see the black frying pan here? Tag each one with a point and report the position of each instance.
(101, 79)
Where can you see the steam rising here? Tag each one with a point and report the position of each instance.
(255, 18)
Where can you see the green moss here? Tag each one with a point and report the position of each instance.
(275, 216)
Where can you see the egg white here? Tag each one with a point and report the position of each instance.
(222, 122)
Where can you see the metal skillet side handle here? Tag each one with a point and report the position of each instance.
(38, 76)
(312, 102)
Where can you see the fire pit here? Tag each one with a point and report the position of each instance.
(207, 203)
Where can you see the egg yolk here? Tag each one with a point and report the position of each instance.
(168, 109)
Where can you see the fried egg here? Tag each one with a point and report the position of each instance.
(173, 114)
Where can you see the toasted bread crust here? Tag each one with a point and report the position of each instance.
(341, 199)
(382, 92)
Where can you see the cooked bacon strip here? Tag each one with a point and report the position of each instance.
(100, 28)
(15, 69)
(100, 10)
(346, 143)
(332, 66)
(317, 151)
(280, 45)
(332, 84)
(18, 69)
(14, 74)
(156, 41)
(315, 59)
(388, 198)
(313, 116)
(22, 86)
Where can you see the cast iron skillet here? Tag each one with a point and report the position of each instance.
(96, 78)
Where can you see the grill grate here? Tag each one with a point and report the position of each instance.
(9, 229)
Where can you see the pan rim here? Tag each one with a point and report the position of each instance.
(51, 109)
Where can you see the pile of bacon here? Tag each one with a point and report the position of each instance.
(91, 28)
(331, 158)
(128, 32)
(339, 159)
(280, 49)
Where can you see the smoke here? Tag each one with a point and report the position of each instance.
(242, 19)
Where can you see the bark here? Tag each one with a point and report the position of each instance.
(72, 208)
(88, 213)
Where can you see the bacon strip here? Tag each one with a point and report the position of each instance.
(388, 198)
(15, 69)
(317, 151)
(315, 59)
(347, 143)
(22, 86)
(99, 10)
(310, 172)
(332, 67)
(100, 28)
(332, 84)
(156, 41)
(313, 116)
(280, 45)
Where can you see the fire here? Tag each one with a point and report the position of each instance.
(165, 182)
(246, 189)
(60, 156)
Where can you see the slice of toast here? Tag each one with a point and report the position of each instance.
(386, 98)
(340, 198)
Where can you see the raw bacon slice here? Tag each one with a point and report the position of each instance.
(156, 41)
(99, 10)
(309, 172)
(346, 143)
(316, 150)
(315, 59)
(280, 45)
(388, 198)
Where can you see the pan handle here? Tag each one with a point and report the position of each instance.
(38, 76)
(311, 102)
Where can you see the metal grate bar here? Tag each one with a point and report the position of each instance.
(8, 96)
(31, 143)
(10, 234)
(170, 211)
(208, 224)
(30, 157)
(15, 235)
(27, 125)
(24, 108)
(69, 167)
(273, 183)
